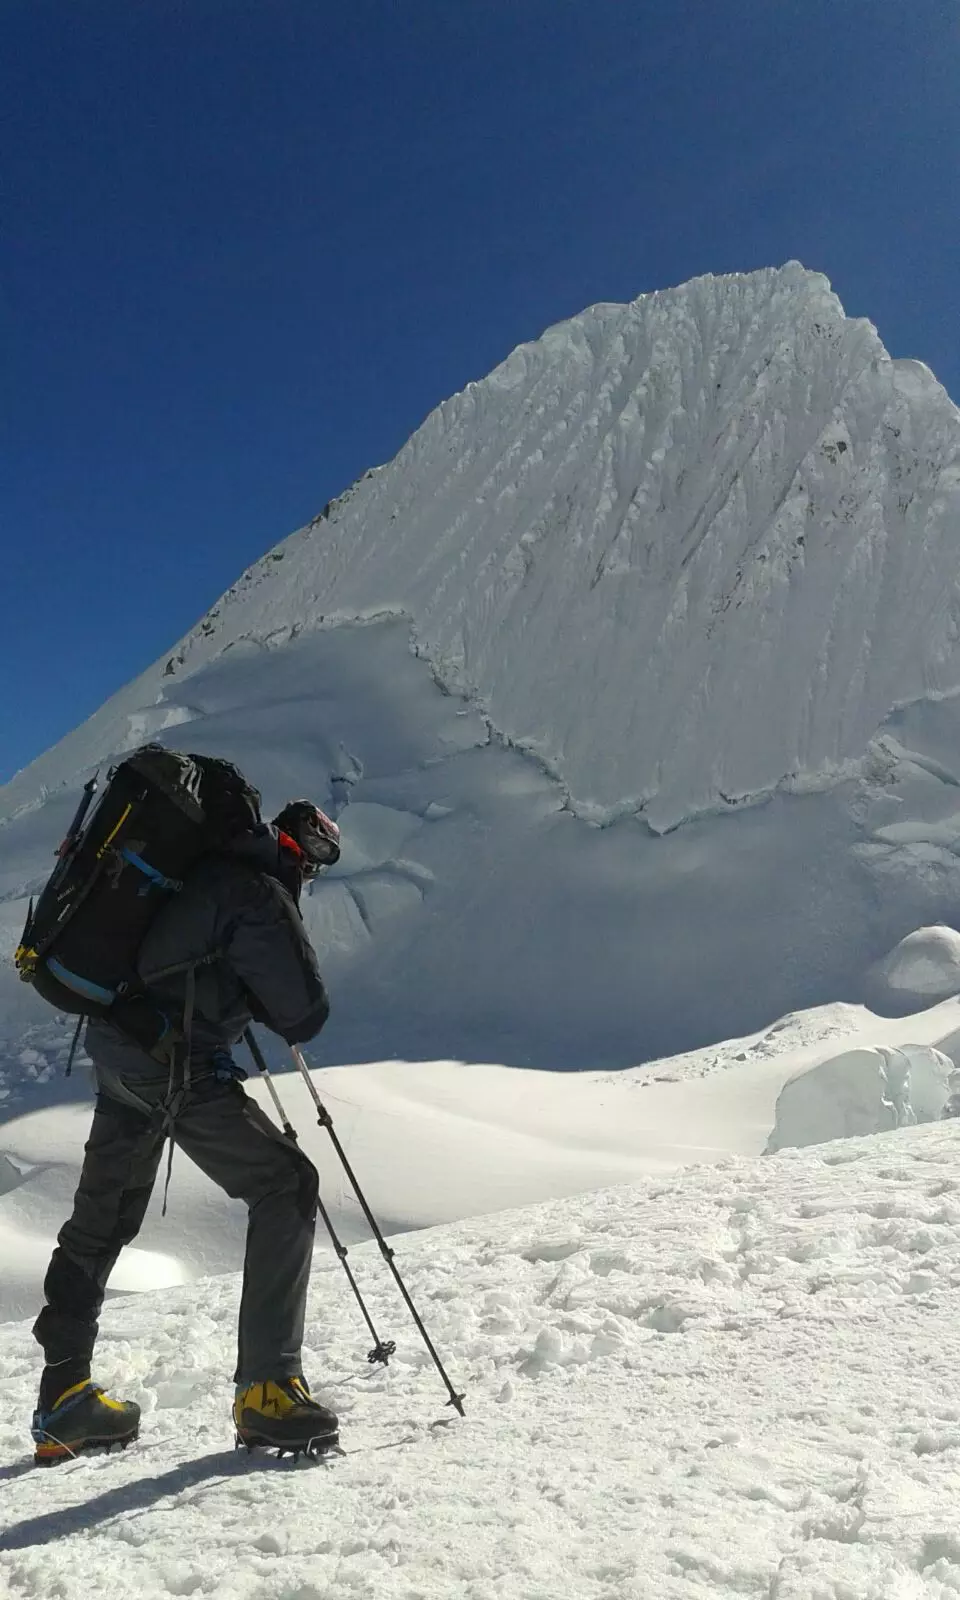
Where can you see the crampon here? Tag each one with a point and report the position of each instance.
(84, 1419)
(281, 1415)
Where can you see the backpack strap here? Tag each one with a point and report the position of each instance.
(81, 986)
(154, 878)
(179, 1094)
(150, 978)
(73, 1047)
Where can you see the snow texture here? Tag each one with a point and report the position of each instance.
(923, 968)
(735, 1381)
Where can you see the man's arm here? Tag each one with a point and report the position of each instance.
(269, 950)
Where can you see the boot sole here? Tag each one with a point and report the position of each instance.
(50, 1455)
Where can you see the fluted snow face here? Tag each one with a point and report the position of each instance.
(686, 550)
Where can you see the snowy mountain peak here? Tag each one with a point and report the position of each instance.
(685, 550)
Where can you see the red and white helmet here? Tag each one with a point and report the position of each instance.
(315, 834)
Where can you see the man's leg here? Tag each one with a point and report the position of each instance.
(119, 1168)
(237, 1145)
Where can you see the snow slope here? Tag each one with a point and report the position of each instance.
(439, 1141)
(473, 916)
(735, 1381)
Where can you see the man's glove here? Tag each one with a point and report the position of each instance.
(225, 1069)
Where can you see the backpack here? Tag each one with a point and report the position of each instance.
(159, 813)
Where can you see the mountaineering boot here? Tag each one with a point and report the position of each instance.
(281, 1415)
(83, 1418)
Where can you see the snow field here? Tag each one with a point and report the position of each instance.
(438, 1141)
(736, 1381)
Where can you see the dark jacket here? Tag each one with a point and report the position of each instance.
(239, 919)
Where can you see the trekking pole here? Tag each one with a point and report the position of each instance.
(325, 1121)
(383, 1349)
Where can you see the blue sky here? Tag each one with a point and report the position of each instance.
(251, 243)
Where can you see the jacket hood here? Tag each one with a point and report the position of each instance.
(262, 850)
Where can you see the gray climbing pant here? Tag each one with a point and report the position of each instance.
(234, 1143)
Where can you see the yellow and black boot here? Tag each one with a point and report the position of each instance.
(282, 1415)
(83, 1418)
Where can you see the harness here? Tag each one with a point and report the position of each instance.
(180, 1080)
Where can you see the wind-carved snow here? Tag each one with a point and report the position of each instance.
(685, 550)
(866, 1090)
(923, 968)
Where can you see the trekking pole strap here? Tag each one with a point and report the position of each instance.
(325, 1120)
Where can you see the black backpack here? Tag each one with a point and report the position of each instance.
(159, 813)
